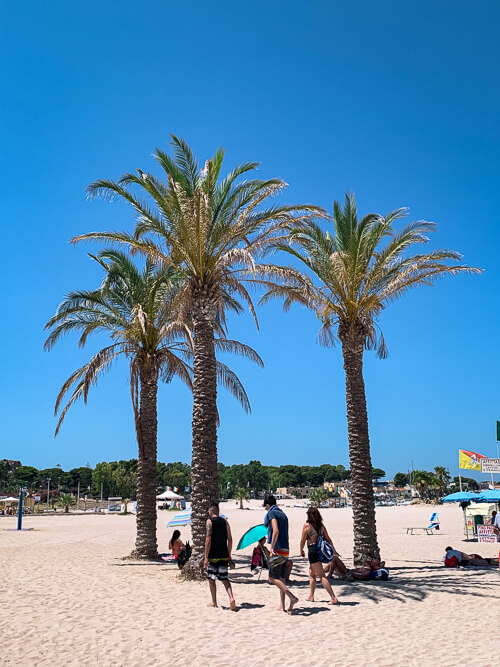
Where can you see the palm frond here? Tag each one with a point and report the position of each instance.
(235, 347)
(230, 381)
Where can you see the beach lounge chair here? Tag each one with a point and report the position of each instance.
(433, 525)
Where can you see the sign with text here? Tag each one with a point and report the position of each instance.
(486, 534)
(490, 465)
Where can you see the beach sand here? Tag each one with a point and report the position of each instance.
(68, 598)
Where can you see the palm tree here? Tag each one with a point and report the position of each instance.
(422, 481)
(67, 500)
(210, 230)
(442, 479)
(133, 307)
(318, 496)
(356, 272)
(240, 494)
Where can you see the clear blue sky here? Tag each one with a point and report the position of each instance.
(396, 101)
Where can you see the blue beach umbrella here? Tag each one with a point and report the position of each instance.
(184, 519)
(252, 535)
(460, 497)
(490, 496)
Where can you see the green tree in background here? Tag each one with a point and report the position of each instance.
(468, 484)
(175, 474)
(82, 475)
(442, 480)
(27, 475)
(66, 500)
(422, 480)
(240, 494)
(318, 496)
(400, 479)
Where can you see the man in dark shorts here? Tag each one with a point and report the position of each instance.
(218, 546)
(277, 536)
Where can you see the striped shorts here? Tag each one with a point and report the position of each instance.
(217, 570)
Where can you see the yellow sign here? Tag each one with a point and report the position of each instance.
(469, 460)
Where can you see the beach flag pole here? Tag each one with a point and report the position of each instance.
(498, 456)
(20, 510)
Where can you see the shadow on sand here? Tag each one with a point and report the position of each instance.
(414, 581)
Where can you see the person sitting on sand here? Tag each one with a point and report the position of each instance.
(338, 567)
(260, 556)
(312, 530)
(218, 547)
(276, 522)
(176, 544)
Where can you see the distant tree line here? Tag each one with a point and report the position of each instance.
(118, 478)
(432, 485)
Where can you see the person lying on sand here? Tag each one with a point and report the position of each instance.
(376, 569)
(454, 558)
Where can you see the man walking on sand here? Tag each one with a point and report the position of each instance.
(277, 536)
(218, 546)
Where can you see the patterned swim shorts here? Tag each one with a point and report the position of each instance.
(217, 571)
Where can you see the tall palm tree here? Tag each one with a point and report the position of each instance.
(134, 307)
(210, 229)
(351, 276)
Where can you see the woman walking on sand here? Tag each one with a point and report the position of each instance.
(311, 531)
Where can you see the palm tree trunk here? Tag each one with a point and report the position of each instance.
(145, 543)
(204, 476)
(363, 503)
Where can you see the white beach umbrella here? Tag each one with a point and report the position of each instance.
(169, 495)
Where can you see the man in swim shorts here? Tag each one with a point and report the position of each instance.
(218, 546)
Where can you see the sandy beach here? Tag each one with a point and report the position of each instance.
(68, 598)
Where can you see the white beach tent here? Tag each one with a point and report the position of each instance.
(169, 495)
(9, 500)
